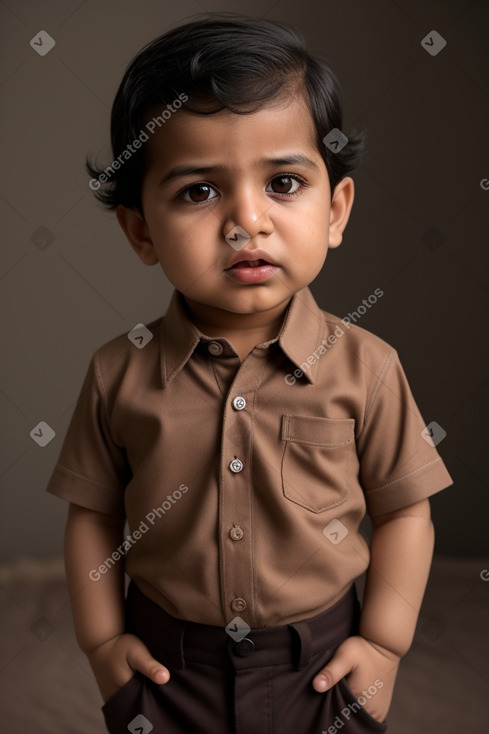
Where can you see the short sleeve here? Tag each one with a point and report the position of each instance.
(92, 470)
(399, 464)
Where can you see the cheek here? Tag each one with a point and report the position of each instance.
(183, 254)
(317, 218)
(185, 224)
(313, 238)
(311, 210)
(180, 236)
(308, 228)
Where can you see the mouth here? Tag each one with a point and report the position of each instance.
(249, 264)
(251, 271)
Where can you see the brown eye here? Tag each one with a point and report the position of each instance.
(284, 185)
(197, 193)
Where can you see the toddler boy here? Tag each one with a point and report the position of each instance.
(244, 435)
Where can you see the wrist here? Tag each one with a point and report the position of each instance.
(392, 653)
(93, 648)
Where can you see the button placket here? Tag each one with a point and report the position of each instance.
(235, 501)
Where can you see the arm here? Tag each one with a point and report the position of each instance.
(98, 606)
(401, 550)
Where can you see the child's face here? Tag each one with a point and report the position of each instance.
(285, 207)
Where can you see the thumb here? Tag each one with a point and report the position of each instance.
(339, 666)
(140, 659)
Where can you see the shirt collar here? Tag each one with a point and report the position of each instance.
(301, 332)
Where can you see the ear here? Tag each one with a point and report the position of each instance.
(137, 232)
(340, 209)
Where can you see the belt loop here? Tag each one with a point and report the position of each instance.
(176, 645)
(303, 646)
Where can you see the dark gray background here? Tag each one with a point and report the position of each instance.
(426, 118)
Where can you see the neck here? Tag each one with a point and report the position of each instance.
(263, 325)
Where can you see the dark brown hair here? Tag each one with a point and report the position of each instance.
(219, 61)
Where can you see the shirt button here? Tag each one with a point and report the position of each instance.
(238, 605)
(215, 348)
(236, 533)
(239, 403)
(236, 466)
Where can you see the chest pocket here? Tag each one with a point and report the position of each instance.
(315, 460)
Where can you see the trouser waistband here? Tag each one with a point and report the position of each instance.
(179, 642)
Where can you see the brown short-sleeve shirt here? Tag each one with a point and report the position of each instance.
(244, 483)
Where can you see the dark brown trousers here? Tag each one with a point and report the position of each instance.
(261, 684)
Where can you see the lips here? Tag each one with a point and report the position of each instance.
(251, 259)
(251, 272)
(250, 264)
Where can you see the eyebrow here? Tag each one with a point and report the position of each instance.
(286, 160)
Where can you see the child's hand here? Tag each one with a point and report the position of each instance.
(115, 662)
(364, 664)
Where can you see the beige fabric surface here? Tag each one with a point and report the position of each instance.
(46, 685)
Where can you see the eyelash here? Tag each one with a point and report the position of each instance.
(294, 176)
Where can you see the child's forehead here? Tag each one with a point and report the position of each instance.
(267, 132)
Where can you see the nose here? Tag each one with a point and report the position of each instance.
(249, 207)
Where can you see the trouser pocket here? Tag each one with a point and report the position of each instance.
(131, 708)
(352, 714)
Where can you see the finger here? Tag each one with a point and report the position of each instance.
(339, 666)
(140, 659)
